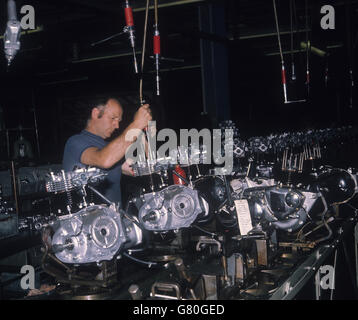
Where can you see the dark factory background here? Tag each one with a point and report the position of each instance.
(222, 63)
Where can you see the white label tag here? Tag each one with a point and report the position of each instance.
(243, 216)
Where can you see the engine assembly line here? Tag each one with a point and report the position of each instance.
(258, 203)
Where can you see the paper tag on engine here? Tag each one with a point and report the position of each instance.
(243, 216)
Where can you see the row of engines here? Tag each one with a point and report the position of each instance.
(100, 232)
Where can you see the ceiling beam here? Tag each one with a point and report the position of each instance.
(137, 7)
(335, 46)
(269, 34)
(169, 3)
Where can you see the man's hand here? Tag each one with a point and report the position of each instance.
(142, 117)
(127, 169)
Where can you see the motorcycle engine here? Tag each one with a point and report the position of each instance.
(93, 234)
(284, 208)
(172, 208)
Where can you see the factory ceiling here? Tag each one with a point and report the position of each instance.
(67, 33)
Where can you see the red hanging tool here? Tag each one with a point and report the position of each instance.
(129, 28)
(283, 71)
(156, 45)
(156, 52)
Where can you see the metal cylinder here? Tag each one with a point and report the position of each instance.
(179, 264)
(135, 292)
(11, 10)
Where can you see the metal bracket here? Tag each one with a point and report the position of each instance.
(204, 240)
(170, 288)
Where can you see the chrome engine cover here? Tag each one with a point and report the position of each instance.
(93, 234)
(172, 208)
(283, 207)
(337, 185)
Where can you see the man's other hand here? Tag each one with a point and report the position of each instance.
(127, 169)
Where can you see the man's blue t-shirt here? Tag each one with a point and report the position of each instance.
(75, 145)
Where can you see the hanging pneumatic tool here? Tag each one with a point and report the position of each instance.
(293, 73)
(129, 28)
(156, 49)
(147, 141)
(12, 33)
(283, 71)
(156, 45)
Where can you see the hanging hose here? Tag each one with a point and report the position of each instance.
(308, 47)
(283, 72)
(141, 100)
(277, 30)
(143, 53)
(293, 74)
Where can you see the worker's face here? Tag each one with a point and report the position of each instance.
(110, 119)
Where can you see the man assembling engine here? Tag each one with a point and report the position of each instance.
(90, 147)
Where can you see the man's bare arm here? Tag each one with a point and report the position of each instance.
(109, 155)
(116, 149)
